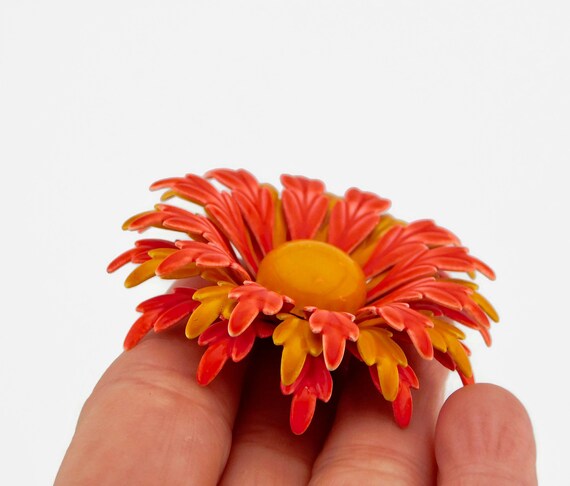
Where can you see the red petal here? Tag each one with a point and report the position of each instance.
(220, 205)
(174, 315)
(407, 375)
(216, 332)
(228, 215)
(302, 411)
(448, 294)
(335, 328)
(252, 299)
(254, 201)
(179, 294)
(354, 217)
(444, 359)
(222, 346)
(202, 254)
(402, 406)
(242, 345)
(212, 362)
(314, 382)
(400, 243)
(191, 187)
(242, 316)
(304, 205)
(466, 380)
(139, 329)
(196, 225)
(400, 275)
(400, 317)
(139, 253)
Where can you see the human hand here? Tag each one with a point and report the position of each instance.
(149, 422)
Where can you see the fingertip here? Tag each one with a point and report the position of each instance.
(484, 433)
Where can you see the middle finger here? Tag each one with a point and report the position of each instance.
(365, 443)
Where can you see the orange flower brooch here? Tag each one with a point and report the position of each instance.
(323, 276)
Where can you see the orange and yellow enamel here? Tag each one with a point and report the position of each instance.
(314, 274)
(327, 277)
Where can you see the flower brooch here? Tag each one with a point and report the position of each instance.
(323, 276)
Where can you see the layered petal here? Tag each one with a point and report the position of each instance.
(447, 338)
(203, 255)
(334, 328)
(354, 217)
(378, 349)
(254, 201)
(214, 304)
(139, 254)
(253, 299)
(427, 262)
(161, 312)
(221, 207)
(314, 382)
(402, 406)
(297, 339)
(222, 346)
(304, 205)
(197, 226)
(401, 317)
(404, 242)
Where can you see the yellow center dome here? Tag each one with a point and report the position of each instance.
(316, 274)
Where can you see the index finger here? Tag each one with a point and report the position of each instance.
(148, 421)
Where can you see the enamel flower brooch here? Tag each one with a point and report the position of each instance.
(324, 277)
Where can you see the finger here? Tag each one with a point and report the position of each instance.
(484, 436)
(149, 422)
(264, 450)
(365, 444)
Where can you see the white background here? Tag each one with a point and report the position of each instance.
(455, 110)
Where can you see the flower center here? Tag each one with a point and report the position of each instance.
(314, 273)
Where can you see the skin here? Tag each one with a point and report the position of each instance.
(149, 422)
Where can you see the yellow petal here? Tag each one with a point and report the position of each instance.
(292, 361)
(486, 306)
(227, 308)
(376, 346)
(447, 339)
(445, 328)
(390, 348)
(437, 339)
(375, 321)
(213, 303)
(143, 272)
(459, 355)
(161, 253)
(213, 292)
(169, 195)
(466, 283)
(295, 335)
(389, 379)
(127, 223)
(147, 269)
(314, 343)
(204, 315)
(185, 272)
(284, 331)
(216, 275)
(366, 346)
